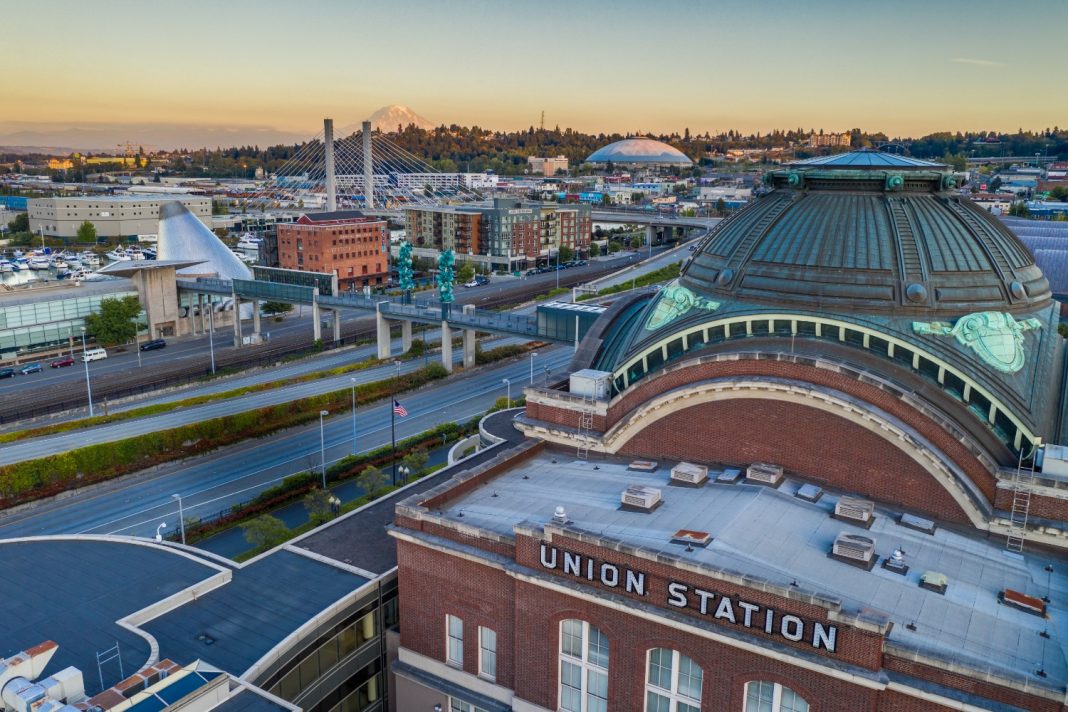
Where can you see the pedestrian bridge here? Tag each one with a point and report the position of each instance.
(561, 322)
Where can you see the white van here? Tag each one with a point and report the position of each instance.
(94, 354)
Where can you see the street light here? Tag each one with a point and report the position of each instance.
(322, 446)
(88, 388)
(404, 471)
(353, 415)
(508, 385)
(211, 334)
(159, 531)
(181, 514)
(532, 355)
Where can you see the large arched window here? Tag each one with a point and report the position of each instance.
(583, 667)
(764, 696)
(672, 682)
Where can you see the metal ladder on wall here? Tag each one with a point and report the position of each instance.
(582, 449)
(1021, 502)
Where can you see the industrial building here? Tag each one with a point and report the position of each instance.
(817, 473)
(122, 216)
(343, 242)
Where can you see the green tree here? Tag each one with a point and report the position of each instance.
(1062, 329)
(87, 232)
(273, 308)
(615, 246)
(114, 322)
(465, 273)
(265, 531)
(415, 461)
(318, 503)
(371, 480)
(595, 249)
(21, 223)
(635, 242)
(721, 206)
(566, 254)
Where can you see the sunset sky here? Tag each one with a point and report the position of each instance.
(903, 67)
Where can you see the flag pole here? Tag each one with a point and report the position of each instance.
(393, 435)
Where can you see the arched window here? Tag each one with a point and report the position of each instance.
(672, 682)
(583, 667)
(764, 696)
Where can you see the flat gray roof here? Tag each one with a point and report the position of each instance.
(64, 289)
(772, 535)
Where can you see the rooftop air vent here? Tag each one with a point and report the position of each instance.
(934, 581)
(920, 524)
(560, 516)
(640, 498)
(855, 510)
(1028, 604)
(642, 466)
(854, 549)
(809, 493)
(687, 474)
(762, 473)
(689, 537)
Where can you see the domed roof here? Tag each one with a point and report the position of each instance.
(639, 150)
(182, 236)
(867, 232)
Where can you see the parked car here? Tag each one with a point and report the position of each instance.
(472, 283)
(482, 279)
(7, 372)
(63, 361)
(532, 272)
(30, 368)
(153, 345)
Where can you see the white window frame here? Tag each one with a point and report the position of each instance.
(777, 690)
(450, 639)
(456, 705)
(673, 695)
(584, 664)
(485, 652)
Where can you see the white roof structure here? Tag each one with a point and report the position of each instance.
(182, 236)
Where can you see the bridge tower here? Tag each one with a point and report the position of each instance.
(331, 177)
(368, 168)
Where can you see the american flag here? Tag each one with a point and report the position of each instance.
(399, 409)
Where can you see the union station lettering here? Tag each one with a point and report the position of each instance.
(707, 603)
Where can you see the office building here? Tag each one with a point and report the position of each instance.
(547, 166)
(344, 242)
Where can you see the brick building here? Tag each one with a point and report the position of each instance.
(345, 242)
(810, 478)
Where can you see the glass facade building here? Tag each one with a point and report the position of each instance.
(40, 324)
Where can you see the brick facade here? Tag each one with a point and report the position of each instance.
(526, 618)
(825, 447)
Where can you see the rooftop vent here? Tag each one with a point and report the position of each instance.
(762, 473)
(895, 563)
(642, 466)
(920, 524)
(854, 549)
(687, 474)
(560, 515)
(689, 537)
(640, 498)
(1028, 604)
(934, 581)
(730, 476)
(855, 510)
(809, 493)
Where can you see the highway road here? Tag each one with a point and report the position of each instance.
(49, 445)
(215, 482)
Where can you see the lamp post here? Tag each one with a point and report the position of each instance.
(159, 531)
(532, 355)
(181, 515)
(404, 471)
(322, 446)
(508, 385)
(211, 334)
(353, 415)
(88, 388)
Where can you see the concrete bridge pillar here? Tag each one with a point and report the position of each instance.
(406, 336)
(237, 320)
(256, 318)
(469, 340)
(650, 235)
(337, 325)
(200, 311)
(317, 324)
(446, 345)
(382, 333)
